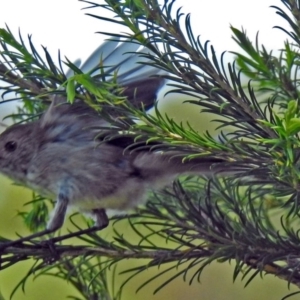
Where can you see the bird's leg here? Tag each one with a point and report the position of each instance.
(55, 222)
(101, 218)
(57, 217)
(101, 222)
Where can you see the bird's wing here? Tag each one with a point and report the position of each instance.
(140, 80)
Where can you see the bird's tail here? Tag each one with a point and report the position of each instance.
(173, 163)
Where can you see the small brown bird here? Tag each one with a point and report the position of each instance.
(65, 156)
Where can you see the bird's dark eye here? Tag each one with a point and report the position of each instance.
(10, 146)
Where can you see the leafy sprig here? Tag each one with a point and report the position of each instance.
(197, 220)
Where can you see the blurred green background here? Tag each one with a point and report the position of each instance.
(216, 280)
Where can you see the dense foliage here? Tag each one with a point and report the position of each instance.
(197, 220)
